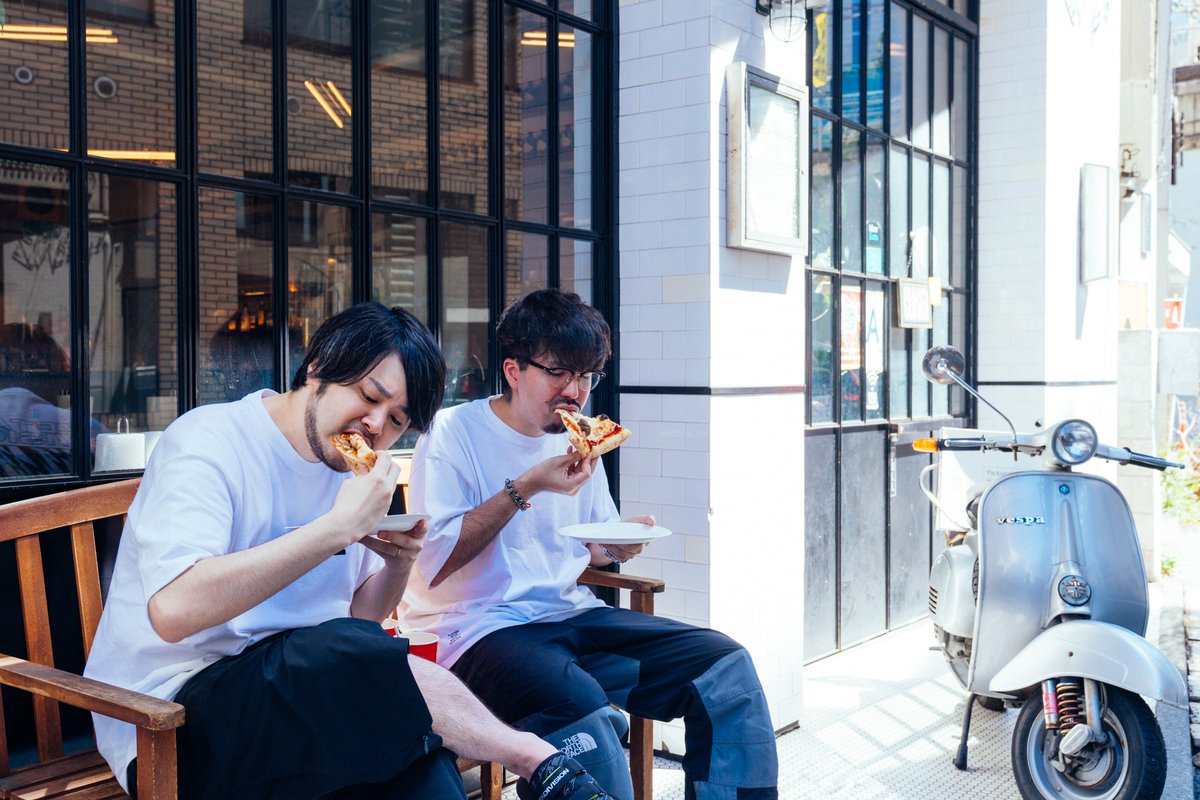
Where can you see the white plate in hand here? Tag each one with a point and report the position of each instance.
(401, 522)
(614, 532)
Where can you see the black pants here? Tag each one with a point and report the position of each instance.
(327, 711)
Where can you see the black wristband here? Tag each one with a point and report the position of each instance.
(520, 502)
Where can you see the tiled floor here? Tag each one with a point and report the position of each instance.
(882, 720)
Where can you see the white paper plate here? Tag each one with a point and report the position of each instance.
(614, 532)
(401, 522)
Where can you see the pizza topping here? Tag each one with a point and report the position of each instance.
(592, 436)
(357, 453)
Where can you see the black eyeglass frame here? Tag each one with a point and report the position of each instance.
(557, 373)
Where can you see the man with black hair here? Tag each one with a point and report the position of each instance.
(251, 581)
(498, 584)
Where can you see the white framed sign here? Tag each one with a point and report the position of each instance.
(913, 309)
(767, 188)
(1097, 192)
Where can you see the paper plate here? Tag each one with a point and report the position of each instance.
(401, 522)
(614, 532)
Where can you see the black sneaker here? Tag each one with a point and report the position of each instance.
(561, 777)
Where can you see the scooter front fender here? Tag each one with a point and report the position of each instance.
(1098, 650)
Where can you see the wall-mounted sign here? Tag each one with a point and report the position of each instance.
(767, 190)
(913, 309)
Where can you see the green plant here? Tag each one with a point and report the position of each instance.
(1167, 566)
(1181, 487)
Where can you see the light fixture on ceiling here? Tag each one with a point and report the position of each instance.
(129, 155)
(327, 98)
(540, 39)
(54, 33)
(786, 18)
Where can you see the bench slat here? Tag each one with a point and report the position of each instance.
(37, 514)
(87, 581)
(80, 777)
(37, 641)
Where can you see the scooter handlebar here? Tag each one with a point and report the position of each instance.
(1123, 455)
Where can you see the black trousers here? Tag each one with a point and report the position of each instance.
(327, 711)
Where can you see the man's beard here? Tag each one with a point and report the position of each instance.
(314, 438)
(557, 425)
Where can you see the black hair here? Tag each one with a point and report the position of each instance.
(551, 321)
(351, 343)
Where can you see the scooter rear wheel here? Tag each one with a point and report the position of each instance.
(1134, 767)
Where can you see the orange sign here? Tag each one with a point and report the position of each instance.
(1173, 312)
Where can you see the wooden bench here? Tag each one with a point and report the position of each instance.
(85, 775)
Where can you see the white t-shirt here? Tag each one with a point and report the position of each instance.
(528, 572)
(223, 478)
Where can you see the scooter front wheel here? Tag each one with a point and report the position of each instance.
(1130, 765)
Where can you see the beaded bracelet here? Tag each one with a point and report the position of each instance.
(521, 503)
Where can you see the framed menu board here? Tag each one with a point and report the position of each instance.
(767, 189)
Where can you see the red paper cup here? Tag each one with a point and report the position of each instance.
(421, 644)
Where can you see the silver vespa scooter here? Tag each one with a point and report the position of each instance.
(1040, 601)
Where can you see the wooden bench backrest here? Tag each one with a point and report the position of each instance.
(22, 523)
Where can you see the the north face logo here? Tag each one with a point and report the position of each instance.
(578, 743)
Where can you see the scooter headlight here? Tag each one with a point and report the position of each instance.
(1073, 442)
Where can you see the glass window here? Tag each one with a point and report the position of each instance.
(852, 20)
(35, 337)
(941, 90)
(820, 382)
(131, 88)
(941, 333)
(958, 338)
(318, 271)
(874, 226)
(575, 97)
(33, 105)
(850, 350)
(526, 264)
(851, 200)
(133, 378)
(463, 105)
(920, 81)
(874, 325)
(941, 221)
(821, 82)
(920, 386)
(400, 263)
(960, 113)
(320, 136)
(898, 359)
(527, 143)
(575, 268)
(898, 73)
(920, 216)
(466, 324)
(900, 245)
(233, 85)
(399, 105)
(236, 351)
(958, 264)
(580, 8)
(821, 192)
(876, 62)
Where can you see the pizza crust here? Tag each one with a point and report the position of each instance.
(354, 449)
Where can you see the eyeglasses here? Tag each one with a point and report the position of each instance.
(586, 380)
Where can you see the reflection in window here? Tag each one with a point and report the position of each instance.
(876, 62)
(234, 144)
(874, 227)
(920, 81)
(526, 265)
(900, 244)
(851, 200)
(319, 259)
(35, 332)
(236, 351)
(820, 382)
(575, 118)
(320, 134)
(575, 268)
(852, 19)
(898, 73)
(920, 216)
(132, 376)
(941, 220)
(960, 105)
(400, 264)
(898, 372)
(821, 193)
(874, 328)
(527, 140)
(399, 110)
(33, 105)
(851, 351)
(958, 263)
(466, 325)
(463, 105)
(941, 91)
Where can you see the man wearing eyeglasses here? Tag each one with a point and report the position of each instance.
(497, 582)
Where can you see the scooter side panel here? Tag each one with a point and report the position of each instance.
(1036, 527)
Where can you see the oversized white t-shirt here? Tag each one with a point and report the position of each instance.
(528, 572)
(223, 478)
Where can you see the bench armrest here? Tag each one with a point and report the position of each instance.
(617, 580)
(136, 708)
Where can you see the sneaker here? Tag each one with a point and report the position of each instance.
(561, 777)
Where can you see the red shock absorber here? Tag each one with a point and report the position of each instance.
(1070, 704)
(1050, 704)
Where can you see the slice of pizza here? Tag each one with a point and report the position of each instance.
(592, 436)
(355, 450)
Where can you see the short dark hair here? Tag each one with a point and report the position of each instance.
(552, 321)
(351, 343)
